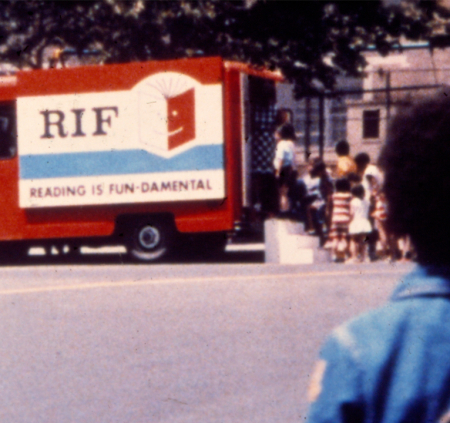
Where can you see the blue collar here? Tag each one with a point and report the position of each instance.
(424, 281)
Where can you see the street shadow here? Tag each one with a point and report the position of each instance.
(117, 259)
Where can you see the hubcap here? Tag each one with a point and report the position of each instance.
(149, 237)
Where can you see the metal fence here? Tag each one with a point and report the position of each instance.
(359, 111)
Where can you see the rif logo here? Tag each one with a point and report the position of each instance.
(166, 107)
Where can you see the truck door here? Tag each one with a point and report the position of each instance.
(261, 117)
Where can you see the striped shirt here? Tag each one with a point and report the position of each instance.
(380, 212)
(341, 208)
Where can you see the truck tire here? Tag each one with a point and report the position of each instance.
(150, 241)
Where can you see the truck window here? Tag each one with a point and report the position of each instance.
(8, 132)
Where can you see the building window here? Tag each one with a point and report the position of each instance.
(371, 123)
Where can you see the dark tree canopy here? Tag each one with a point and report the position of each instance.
(307, 40)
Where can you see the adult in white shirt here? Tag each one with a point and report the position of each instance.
(365, 169)
(285, 149)
(284, 162)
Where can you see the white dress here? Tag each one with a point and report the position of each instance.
(359, 223)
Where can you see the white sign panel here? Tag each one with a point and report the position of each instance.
(160, 141)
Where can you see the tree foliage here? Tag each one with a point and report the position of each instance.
(307, 40)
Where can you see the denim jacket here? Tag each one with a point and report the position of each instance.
(392, 364)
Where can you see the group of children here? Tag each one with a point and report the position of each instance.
(353, 214)
(355, 211)
(346, 209)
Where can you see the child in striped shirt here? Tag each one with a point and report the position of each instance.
(340, 220)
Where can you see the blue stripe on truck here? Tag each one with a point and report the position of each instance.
(39, 166)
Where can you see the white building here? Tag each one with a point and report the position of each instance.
(359, 110)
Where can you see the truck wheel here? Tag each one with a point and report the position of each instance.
(150, 241)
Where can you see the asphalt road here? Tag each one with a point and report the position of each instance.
(171, 343)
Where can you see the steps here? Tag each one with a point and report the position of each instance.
(287, 243)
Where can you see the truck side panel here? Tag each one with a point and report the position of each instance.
(99, 220)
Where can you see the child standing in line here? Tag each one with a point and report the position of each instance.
(340, 219)
(359, 227)
(345, 164)
(387, 243)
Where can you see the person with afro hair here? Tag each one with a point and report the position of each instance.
(391, 364)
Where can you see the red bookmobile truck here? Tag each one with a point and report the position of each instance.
(137, 154)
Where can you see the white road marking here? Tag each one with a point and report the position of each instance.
(36, 251)
(246, 247)
(107, 249)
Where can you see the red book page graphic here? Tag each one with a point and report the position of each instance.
(181, 118)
